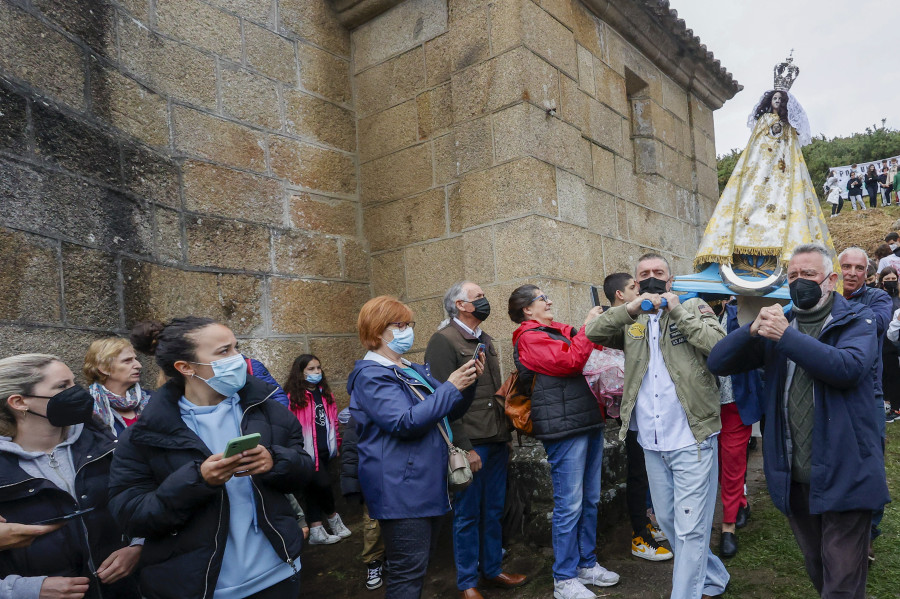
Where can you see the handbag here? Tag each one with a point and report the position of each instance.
(459, 474)
(517, 402)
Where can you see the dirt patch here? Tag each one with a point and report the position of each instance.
(864, 228)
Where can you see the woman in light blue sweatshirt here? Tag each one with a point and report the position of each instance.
(216, 527)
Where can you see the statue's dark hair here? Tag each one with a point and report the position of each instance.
(765, 105)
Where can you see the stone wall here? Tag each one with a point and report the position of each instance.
(160, 158)
(516, 141)
(259, 162)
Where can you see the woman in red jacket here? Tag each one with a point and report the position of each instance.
(567, 419)
(312, 403)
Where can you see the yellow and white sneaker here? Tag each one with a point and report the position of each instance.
(658, 535)
(649, 549)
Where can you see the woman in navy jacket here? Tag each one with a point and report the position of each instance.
(214, 526)
(403, 457)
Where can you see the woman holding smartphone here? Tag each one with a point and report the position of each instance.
(216, 526)
(54, 464)
(403, 457)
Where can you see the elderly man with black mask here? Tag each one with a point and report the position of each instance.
(820, 394)
(484, 433)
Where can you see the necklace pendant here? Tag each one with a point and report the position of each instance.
(54, 463)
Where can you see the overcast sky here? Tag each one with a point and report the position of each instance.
(847, 52)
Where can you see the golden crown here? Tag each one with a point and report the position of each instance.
(786, 73)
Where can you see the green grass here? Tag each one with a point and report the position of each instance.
(769, 563)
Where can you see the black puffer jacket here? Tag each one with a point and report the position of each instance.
(79, 547)
(349, 457)
(157, 491)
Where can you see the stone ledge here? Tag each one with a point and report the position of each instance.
(353, 13)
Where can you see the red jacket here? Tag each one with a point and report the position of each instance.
(562, 403)
(554, 357)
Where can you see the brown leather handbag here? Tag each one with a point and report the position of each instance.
(517, 402)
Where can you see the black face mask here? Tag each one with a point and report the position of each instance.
(890, 287)
(652, 285)
(871, 285)
(70, 406)
(482, 308)
(805, 293)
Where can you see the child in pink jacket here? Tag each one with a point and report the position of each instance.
(312, 403)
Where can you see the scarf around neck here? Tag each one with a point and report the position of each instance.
(106, 402)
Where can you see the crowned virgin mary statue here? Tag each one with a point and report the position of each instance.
(769, 205)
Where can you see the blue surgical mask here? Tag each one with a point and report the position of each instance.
(314, 379)
(402, 341)
(229, 375)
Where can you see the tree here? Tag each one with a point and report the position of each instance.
(821, 154)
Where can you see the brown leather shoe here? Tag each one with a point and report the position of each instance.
(470, 594)
(506, 581)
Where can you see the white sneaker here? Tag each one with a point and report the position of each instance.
(597, 576)
(337, 527)
(658, 535)
(570, 589)
(319, 536)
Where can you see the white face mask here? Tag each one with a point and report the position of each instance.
(229, 375)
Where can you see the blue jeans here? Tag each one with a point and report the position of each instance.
(683, 484)
(478, 518)
(575, 467)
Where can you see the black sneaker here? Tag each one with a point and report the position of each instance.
(373, 578)
(892, 416)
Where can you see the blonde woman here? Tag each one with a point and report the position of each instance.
(114, 373)
(54, 463)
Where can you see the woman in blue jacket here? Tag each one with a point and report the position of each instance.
(214, 526)
(403, 457)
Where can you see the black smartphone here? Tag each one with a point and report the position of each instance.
(65, 517)
(595, 295)
(478, 350)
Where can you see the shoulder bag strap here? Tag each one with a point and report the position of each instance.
(439, 427)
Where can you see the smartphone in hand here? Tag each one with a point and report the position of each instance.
(239, 444)
(64, 517)
(478, 350)
(595, 295)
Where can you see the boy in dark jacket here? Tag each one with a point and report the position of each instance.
(819, 398)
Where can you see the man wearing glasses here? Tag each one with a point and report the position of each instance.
(672, 400)
(483, 432)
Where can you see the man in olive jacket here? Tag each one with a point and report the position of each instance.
(483, 431)
(671, 399)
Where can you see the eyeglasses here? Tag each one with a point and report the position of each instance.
(541, 297)
(402, 325)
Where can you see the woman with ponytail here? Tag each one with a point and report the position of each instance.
(216, 527)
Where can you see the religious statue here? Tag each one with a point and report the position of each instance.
(769, 205)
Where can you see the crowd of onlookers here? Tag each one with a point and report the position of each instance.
(880, 183)
(208, 486)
